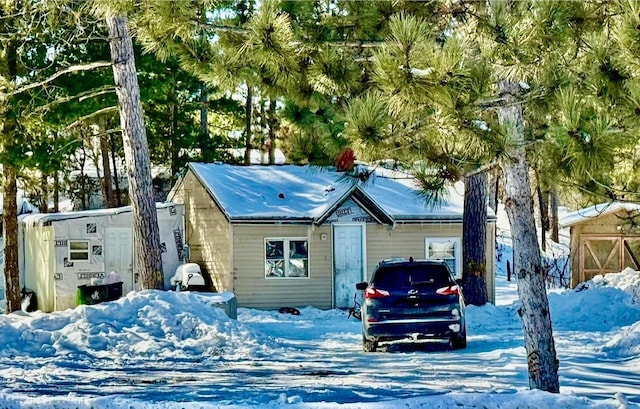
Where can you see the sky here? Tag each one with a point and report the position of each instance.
(179, 350)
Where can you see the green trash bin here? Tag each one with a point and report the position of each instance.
(95, 294)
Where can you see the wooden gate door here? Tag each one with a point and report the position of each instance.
(607, 254)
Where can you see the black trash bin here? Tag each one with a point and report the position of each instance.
(95, 294)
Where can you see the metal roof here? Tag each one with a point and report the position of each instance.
(310, 194)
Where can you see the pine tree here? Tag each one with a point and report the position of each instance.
(433, 82)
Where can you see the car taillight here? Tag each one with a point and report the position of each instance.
(450, 290)
(373, 293)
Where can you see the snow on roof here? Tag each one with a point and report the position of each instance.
(597, 210)
(308, 192)
(42, 218)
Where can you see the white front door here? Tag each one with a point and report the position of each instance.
(348, 257)
(118, 255)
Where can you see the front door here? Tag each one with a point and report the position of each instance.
(348, 258)
(118, 255)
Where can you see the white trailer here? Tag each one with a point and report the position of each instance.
(61, 251)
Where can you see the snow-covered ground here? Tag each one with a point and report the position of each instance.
(177, 350)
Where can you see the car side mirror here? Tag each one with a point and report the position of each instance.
(362, 286)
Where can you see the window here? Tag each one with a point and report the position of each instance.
(78, 250)
(447, 249)
(286, 258)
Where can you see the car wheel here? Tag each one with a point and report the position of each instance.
(459, 341)
(369, 345)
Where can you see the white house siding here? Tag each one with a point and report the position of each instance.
(251, 287)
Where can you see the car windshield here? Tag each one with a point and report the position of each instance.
(411, 275)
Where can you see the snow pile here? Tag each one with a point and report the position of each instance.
(490, 318)
(141, 325)
(627, 280)
(619, 294)
(600, 304)
(625, 344)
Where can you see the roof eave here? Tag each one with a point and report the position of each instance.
(270, 220)
(362, 199)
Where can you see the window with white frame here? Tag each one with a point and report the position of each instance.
(78, 250)
(286, 258)
(447, 249)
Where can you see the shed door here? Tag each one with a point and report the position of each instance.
(608, 254)
(348, 258)
(118, 255)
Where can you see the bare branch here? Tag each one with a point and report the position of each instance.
(483, 168)
(81, 97)
(108, 132)
(71, 69)
(91, 115)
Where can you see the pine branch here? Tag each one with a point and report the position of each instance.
(215, 27)
(356, 44)
(71, 69)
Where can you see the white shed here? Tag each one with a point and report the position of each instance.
(60, 251)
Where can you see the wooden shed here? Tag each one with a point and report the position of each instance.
(304, 236)
(605, 238)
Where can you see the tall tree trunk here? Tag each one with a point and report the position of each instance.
(553, 220)
(56, 191)
(247, 126)
(534, 310)
(116, 177)
(107, 190)
(175, 146)
(83, 178)
(204, 120)
(273, 123)
(542, 203)
(56, 182)
(474, 239)
(8, 138)
(44, 194)
(493, 186)
(10, 224)
(147, 253)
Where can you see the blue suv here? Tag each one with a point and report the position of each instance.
(411, 300)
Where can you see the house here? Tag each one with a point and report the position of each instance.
(605, 238)
(304, 236)
(60, 251)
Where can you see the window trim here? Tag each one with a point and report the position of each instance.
(457, 251)
(286, 257)
(74, 251)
